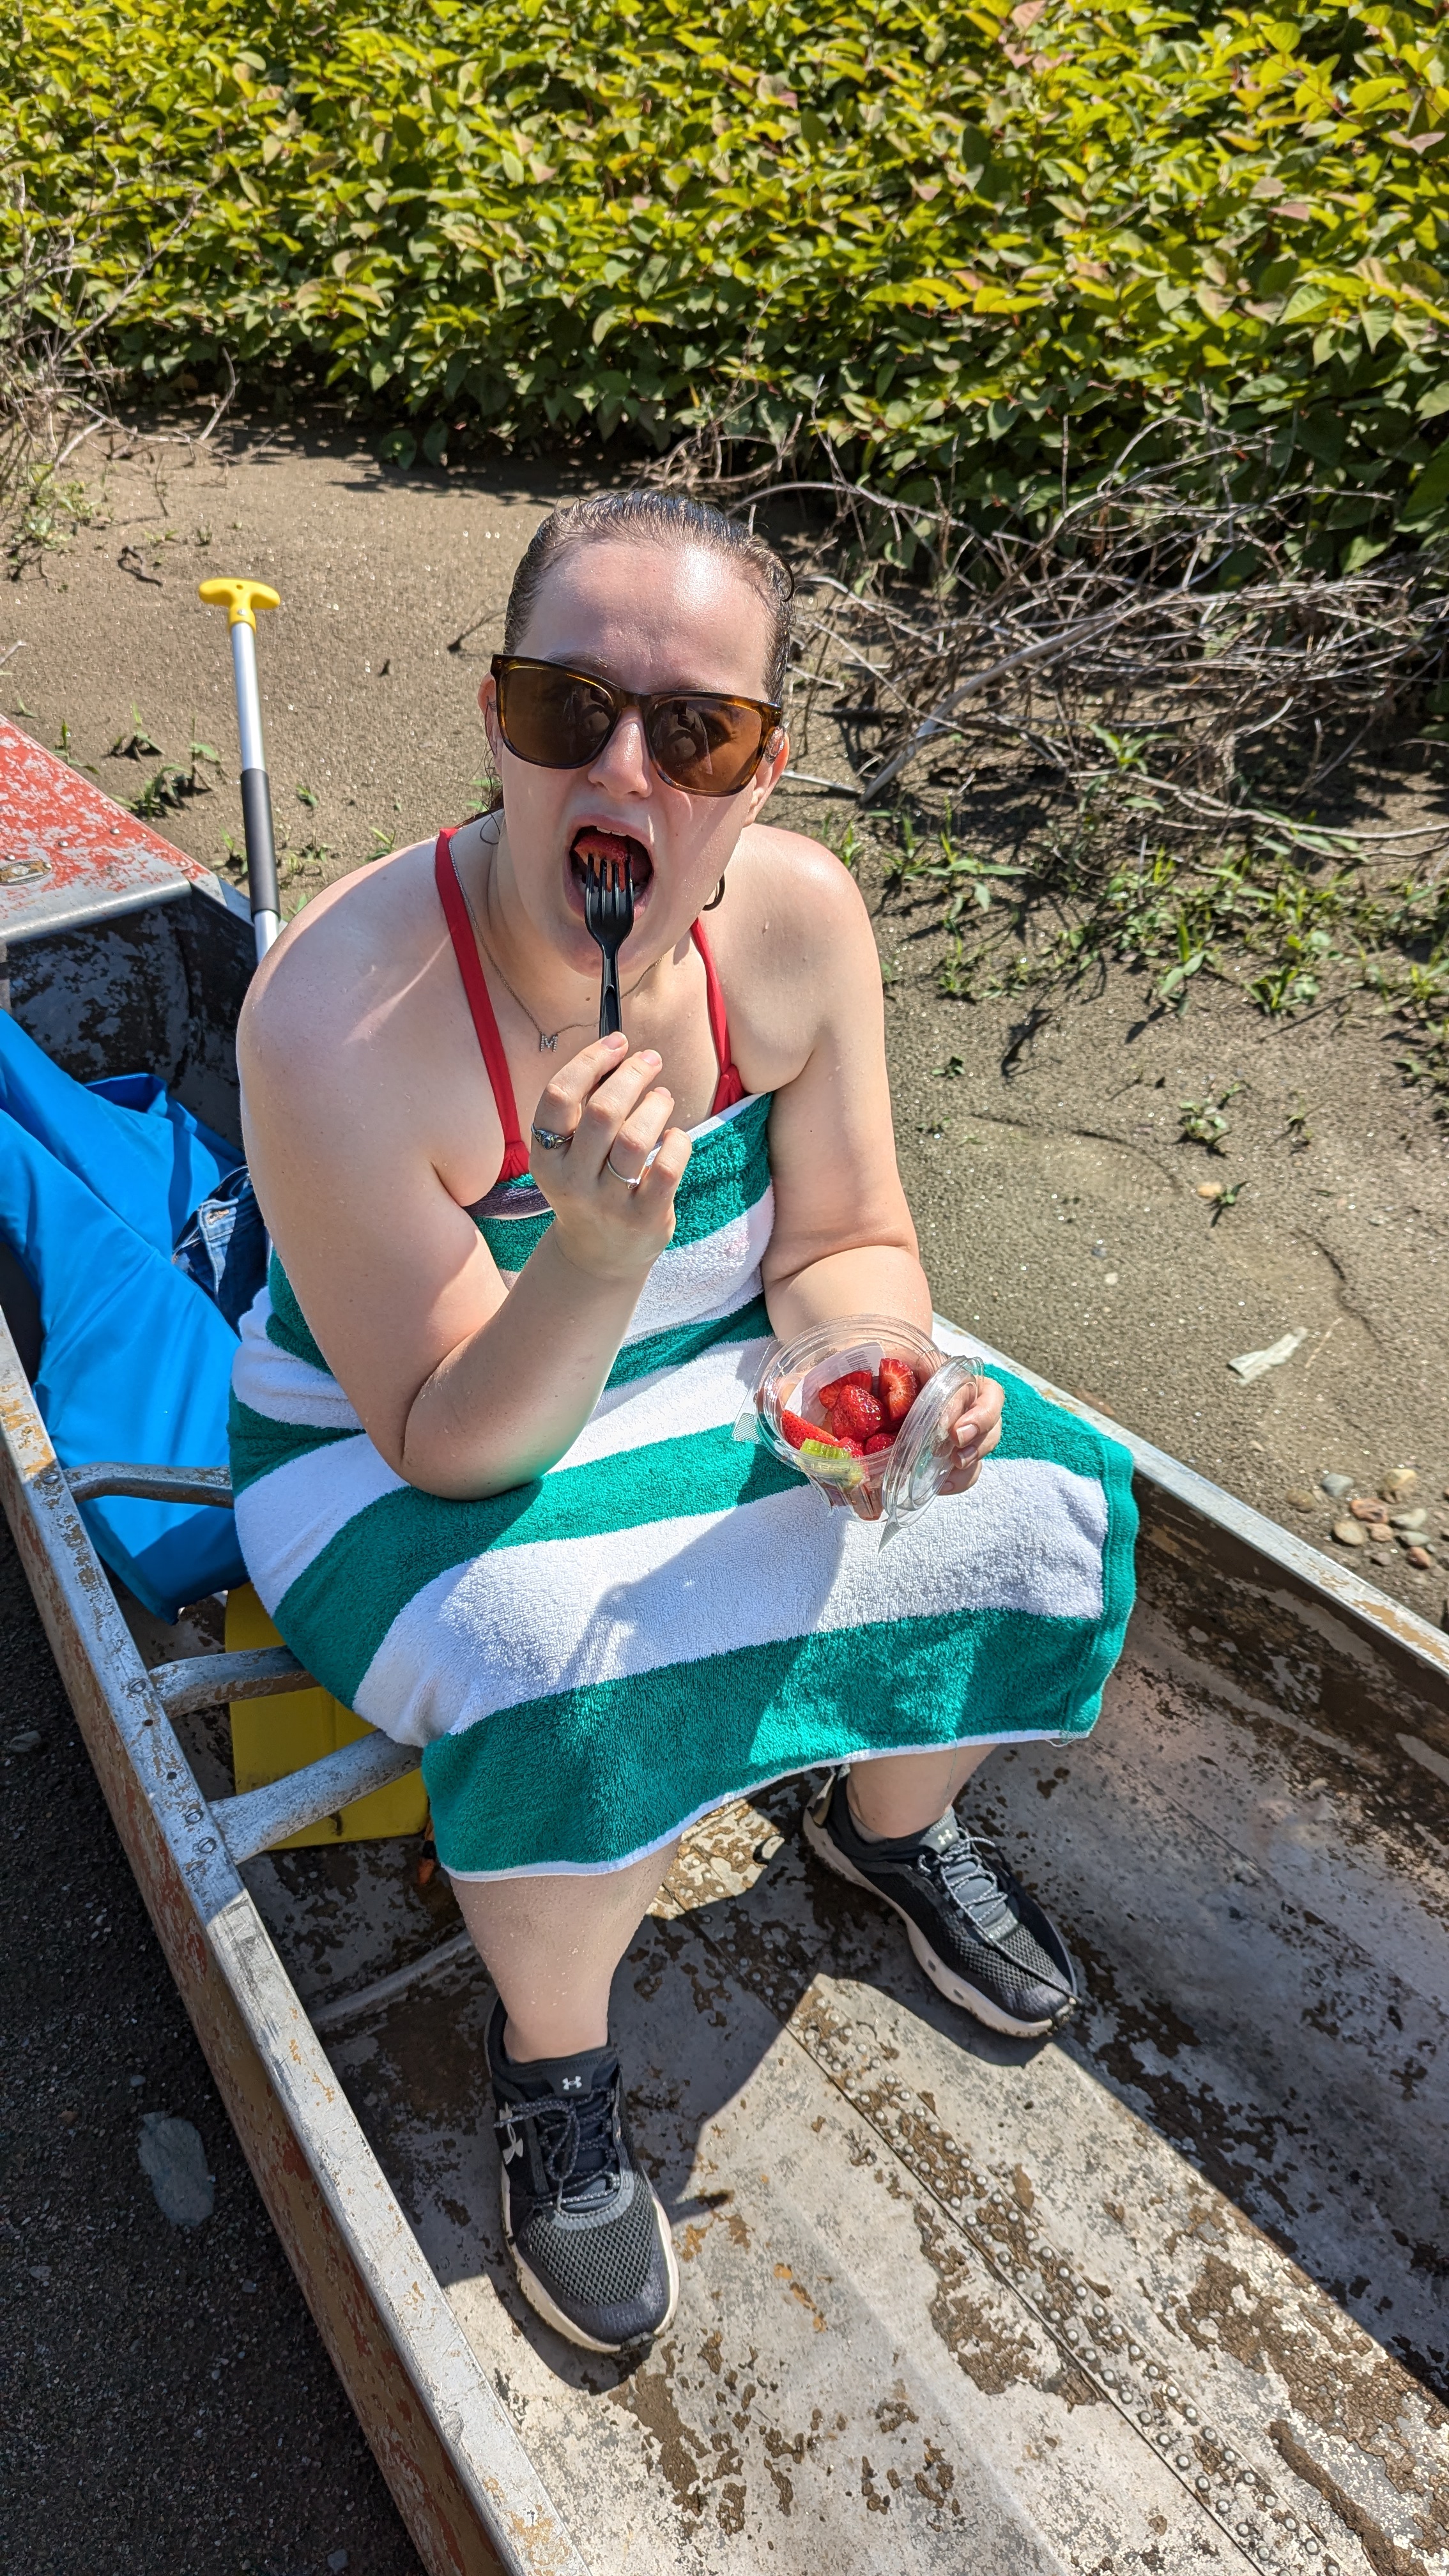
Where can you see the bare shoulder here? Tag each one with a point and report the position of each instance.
(796, 954)
(341, 970)
(795, 898)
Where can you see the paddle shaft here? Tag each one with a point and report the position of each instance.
(256, 792)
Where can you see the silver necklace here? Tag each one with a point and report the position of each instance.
(547, 1038)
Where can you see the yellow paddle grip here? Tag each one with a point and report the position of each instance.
(241, 599)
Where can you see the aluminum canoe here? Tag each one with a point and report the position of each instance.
(1167, 2295)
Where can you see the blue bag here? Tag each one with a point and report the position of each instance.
(135, 1362)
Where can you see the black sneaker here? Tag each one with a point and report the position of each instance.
(589, 2240)
(976, 1932)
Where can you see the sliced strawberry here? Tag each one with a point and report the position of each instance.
(878, 1441)
(829, 1396)
(898, 1389)
(855, 1413)
(611, 849)
(797, 1430)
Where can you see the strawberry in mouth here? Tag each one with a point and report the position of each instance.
(613, 854)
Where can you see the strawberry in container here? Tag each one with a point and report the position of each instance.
(866, 1408)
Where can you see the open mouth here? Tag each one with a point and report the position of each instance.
(609, 852)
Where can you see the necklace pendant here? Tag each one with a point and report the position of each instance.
(546, 1045)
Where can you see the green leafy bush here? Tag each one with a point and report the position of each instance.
(968, 246)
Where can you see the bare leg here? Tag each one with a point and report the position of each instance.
(903, 1793)
(551, 1946)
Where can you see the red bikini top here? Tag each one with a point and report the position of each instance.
(728, 1089)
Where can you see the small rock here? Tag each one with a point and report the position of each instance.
(1420, 1557)
(1367, 1507)
(1211, 1189)
(27, 1741)
(1407, 1520)
(174, 2161)
(1401, 1482)
(41, 2272)
(1303, 1501)
(1099, 1252)
(337, 2560)
(1111, 1278)
(1336, 1487)
(1350, 1533)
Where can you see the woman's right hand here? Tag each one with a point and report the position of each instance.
(612, 1111)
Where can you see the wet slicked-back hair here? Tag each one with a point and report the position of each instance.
(657, 518)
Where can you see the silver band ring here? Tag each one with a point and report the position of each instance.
(630, 1180)
(550, 1138)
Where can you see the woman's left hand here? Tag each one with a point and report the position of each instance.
(975, 1424)
(976, 1431)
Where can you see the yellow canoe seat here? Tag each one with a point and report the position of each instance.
(271, 1738)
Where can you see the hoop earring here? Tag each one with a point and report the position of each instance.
(716, 899)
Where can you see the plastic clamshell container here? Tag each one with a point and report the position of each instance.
(894, 1484)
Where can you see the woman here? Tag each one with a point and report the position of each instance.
(482, 1427)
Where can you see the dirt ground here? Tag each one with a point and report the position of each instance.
(177, 2409)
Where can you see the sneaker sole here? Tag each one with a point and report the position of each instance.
(553, 2315)
(944, 1979)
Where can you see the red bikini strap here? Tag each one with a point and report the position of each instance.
(729, 1087)
(485, 1021)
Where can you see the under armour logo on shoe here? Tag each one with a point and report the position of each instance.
(571, 2084)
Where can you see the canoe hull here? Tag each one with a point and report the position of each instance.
(374, 2301)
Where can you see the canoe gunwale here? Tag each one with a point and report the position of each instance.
(463, 2482)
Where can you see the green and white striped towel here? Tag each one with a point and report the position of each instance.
(668, 1617)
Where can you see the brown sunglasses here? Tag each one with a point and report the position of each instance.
(555, 718)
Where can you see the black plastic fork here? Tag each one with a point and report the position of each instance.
(609, 913)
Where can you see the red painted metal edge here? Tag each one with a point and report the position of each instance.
(69, 853)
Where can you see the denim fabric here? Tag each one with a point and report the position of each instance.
(224, 1246)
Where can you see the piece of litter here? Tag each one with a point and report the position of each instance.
(1252, 1364)
(174, 2162)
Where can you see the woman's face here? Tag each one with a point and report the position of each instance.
(651, 618)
